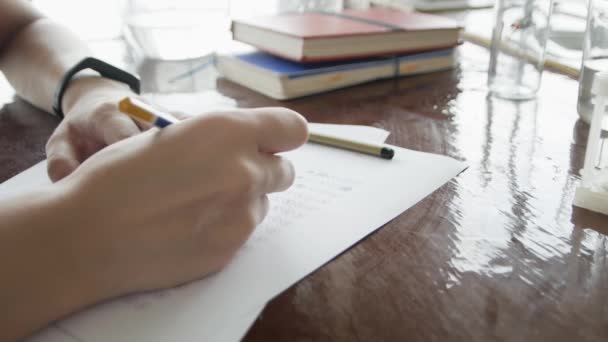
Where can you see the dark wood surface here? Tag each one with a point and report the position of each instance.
(497, 254)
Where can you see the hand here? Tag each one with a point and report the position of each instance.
(92, 121)
(169, 206)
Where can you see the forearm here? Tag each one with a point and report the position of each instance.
(37, 57)
(42, 278)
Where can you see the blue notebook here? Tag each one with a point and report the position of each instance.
(284, 79)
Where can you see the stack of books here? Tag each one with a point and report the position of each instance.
(299, 54)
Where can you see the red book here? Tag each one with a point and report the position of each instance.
(322, 36)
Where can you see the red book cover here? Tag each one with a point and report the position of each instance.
(374, 20)
(324, 36)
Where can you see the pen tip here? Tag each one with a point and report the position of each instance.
(387, 153)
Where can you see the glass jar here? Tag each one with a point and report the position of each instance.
(176, 29)
(517, 51)
(595, 56)
(310, 5)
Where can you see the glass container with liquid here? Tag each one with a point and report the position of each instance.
(176, 29)
(595, 56)
(310, 5)
(517, 51)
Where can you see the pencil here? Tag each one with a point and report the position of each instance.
(377, 150)
(145, 113)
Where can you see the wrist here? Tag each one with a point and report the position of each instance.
(87, 263)
(93, 260)
(40, 249)
(89, 86)
(67, 218)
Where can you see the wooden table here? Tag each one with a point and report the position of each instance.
(497, 254)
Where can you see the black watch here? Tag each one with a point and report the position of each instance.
(104, 69)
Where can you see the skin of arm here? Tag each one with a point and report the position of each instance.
(35, 262)
(34, 54)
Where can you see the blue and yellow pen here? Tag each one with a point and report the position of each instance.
(145, 113)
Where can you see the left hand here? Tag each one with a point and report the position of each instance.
(92, 121)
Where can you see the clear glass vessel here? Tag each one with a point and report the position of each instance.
(517, 51)
(310, 5)
(176, 29)
(595, 55)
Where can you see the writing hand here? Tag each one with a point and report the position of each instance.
(169, 206)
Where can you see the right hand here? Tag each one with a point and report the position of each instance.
(169, 206)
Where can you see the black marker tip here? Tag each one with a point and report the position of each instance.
(387, 153)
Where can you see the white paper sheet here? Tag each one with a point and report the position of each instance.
(338, 198)
(192, 103)
(202, 102)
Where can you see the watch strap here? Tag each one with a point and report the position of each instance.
(104, 69)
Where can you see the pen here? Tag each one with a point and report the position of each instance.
(145, 113)
(377, 150)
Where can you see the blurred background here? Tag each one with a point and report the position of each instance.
(175, 41)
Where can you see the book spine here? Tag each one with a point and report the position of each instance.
(373, 63)
(317, 83)
(337, 58)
